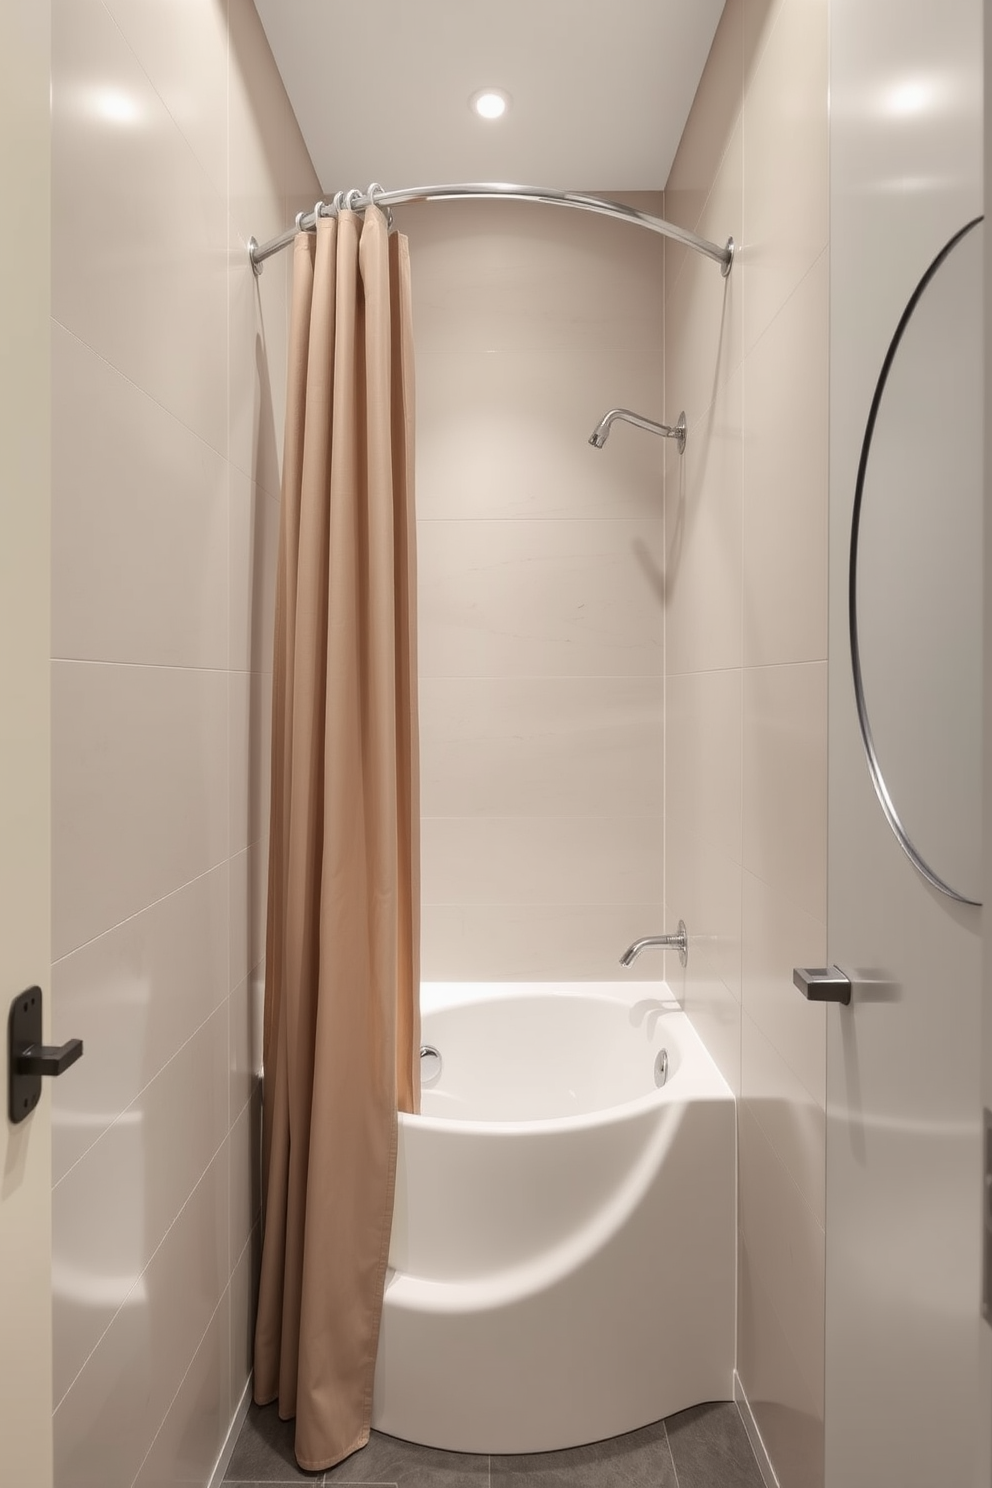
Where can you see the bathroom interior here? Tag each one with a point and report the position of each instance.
(625, 661)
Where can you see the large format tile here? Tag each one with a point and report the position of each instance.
(264, 1450)
(501, 276)
(703, 540)
(703, 720)
(407, 1465)
(776, 937)
(254, 564)
(134, 996)
(708, 130)
(139, 523)
(541, 746)
(245, 1032)
(246, 1175)
(257, 363)
(537, 598)
(715, 1014)
(537, 942)
(105, 1423)
(182, 46)
(111, 1211)
(710, 1448)
(641, 1459)
(139, 790)
(786, 1248)
(267, 161)
(542, 860)
(789, 1415)
(785, 481)
(250, 749)
(243, 1308)
(141, 276)
(788, 1115)
(785, 781)
(703, 309)
(190, 1438)
(785, 171)
(506, 434)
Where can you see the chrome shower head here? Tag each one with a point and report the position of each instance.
(599, 435)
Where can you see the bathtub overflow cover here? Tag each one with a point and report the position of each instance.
(661, 1068)
(430, 1065)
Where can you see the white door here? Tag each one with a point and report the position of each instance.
(904, 1336)
(25, 1149)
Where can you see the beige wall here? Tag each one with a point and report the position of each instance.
(745, 804)
(541, 589)
(173, 142)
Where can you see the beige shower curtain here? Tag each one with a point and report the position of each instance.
(341, 1042)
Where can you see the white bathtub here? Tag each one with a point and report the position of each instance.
(563, 1252)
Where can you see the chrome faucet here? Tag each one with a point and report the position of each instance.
(677, 942)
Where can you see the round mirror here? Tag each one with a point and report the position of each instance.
(916, 574)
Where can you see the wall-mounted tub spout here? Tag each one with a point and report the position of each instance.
(677, 942)
(599, 435)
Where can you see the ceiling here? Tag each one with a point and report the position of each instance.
(600, 91)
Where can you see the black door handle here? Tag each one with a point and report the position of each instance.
(48, 1059)
(28, 1059)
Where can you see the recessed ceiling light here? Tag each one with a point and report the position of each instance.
(490, 103)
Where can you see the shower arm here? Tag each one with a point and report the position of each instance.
(357, 201)
(599, 435)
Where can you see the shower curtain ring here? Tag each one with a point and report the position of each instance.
(351, 198)
(338, 202)
(316, 214)
(371, 193)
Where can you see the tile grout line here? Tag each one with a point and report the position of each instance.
(668, 1444)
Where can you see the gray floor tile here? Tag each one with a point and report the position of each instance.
(264, 1452)
(386, 1459)
(639, 1460)
(710, 1446)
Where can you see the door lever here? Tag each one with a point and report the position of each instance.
(28, 1059)
(823, 983)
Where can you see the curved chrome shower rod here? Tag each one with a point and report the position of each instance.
(357, 201)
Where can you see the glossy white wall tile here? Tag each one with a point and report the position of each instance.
(537, 942)
(110, 1416)
(140, 790)
(785, 781)
(786, 1409)
(135, 995)
(785, 476)
(173, 142)
(506, 433)
(541, 598)
(140, 524)
(541, 590)
(140, 277)
(785, 225)
(746, 719)
(703, 533)
(540, 746)
(112, 1209)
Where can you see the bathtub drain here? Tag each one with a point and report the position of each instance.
(661, 1068)
(430, 1065)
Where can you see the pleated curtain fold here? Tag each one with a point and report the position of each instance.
(341, 1039)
